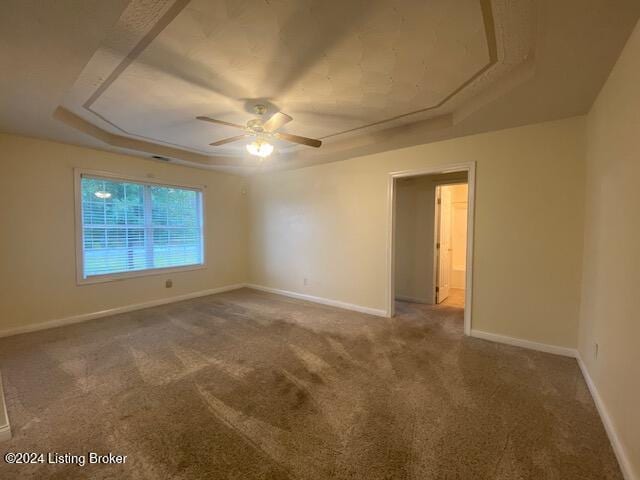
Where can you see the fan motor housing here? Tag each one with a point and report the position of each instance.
(255, 125)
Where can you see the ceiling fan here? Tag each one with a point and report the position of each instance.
(262, 131)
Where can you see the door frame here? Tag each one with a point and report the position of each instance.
(470, 168)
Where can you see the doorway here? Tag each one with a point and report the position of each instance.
(450, 243)
(426, 264)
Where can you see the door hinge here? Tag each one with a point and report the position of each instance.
(439, 201)
(438, 245)
(437, 289)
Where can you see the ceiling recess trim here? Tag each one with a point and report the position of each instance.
(492, 50)
(132, 144)
(179, 5)
(171, 13)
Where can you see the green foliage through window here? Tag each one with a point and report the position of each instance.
(129, 226)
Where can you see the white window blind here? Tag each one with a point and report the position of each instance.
(129, 227)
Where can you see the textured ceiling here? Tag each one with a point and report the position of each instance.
(332, 69)
(365, 76)
(338, 68)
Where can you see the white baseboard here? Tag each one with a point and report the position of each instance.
(618, 448)
(517, 342)
(321, 300)
(162, 301)
(114, 311)
(5, 428)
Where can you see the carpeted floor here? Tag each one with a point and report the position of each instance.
(249, 385)
(455, 298)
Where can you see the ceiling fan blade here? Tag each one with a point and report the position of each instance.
(311, 142)
(276, 121)
(220, 122)
(227, 140)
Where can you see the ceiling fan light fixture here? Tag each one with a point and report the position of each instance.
(260, 148)
(261, 130)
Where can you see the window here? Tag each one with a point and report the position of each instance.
(129, 227)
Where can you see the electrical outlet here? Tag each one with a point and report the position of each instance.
(595, 350)
(305, 281)
(168, 284)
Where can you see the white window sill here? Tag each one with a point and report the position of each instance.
(113, 277)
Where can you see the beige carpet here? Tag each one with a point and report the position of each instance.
(248, 385)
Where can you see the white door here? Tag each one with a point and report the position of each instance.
(443, 245)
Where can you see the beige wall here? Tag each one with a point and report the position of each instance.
(415, 208)
(610, 313)
(37, 244)
(329, 224)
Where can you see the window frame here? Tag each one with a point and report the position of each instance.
(110, 277)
